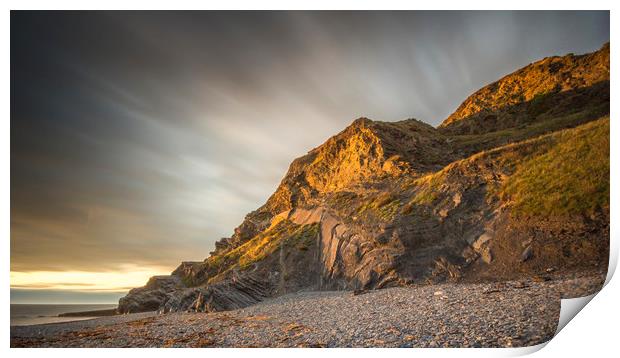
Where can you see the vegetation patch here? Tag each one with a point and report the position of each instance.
(285, 233)
(540, 127)
(572, 177)
(384, 206)
(428, 188)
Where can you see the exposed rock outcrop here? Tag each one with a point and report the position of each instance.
(157, 291)
(552, 87)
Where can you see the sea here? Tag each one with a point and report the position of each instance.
(29, 314)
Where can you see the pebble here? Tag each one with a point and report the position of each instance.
(465, 315)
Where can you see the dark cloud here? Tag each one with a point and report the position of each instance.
(143, 137)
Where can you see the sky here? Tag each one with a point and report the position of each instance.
(138, 139)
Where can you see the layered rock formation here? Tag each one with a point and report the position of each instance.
(514, 183)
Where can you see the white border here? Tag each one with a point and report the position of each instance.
(594, 331)
(309, 5)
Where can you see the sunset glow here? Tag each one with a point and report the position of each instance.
(114, 281)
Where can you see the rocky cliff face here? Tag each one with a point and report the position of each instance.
(545, 89)
(514, 183)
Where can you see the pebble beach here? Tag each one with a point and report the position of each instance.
(507, 314)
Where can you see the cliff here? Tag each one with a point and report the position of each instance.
(514, 183)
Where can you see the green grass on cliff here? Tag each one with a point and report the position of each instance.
(285, 233)
(572, 177)
(547, 125)
(562, 173)
(383, 206)
(429, 188)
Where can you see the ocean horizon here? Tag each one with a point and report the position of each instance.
(24, 314)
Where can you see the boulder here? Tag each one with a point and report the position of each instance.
(152, 296)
